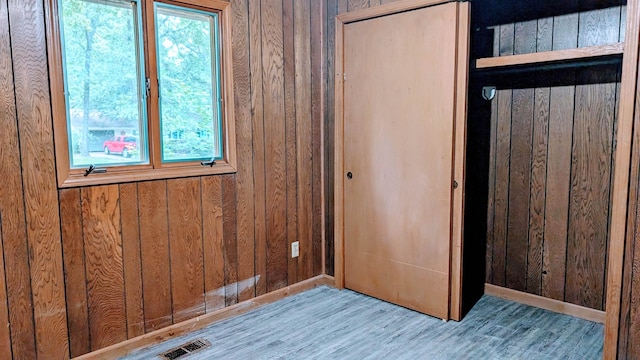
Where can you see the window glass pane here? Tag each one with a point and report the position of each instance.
(188, 71)
(103, 82)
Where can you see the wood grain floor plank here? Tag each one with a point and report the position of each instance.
(185, 248)
(154, 251)
(257, 121)
(35, 128)
(131, 259)
(104, 266)
(74, 269)
(318, 98)
(244, 144)
(212, 229)
(12, 211)
(230, 239)
(275, 154)
(303, 82)
(290, 108)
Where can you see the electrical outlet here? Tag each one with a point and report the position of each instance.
(295, 249)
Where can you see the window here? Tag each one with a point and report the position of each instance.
(141, 89)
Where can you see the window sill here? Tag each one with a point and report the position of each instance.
(77, 180)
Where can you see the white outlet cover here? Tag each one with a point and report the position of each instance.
(295, 249)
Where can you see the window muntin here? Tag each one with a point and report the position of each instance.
(103, 74)
(189, 83)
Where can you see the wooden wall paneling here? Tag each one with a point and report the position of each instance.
(154, 250)
(244, 145)
(104, 266)
(520, 167)
(290, 110)
(5, 332)
(74, 271)
(33, 107)
(491, 198)
(185, 248)
(318, 99)
(212, 230)
(303, 86)
(503, 148)
(274, 135)
(591, 169)
(590, 186)
(328, 124)
(343, 6)
(599, 27)
(131, 259)
(257, 121)
(539, 167)
(353, 5)
(565, 35)
(12, 211)
(230, 240)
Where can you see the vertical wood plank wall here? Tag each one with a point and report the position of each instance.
(84, 268)
(552, 162)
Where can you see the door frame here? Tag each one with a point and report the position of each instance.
(460, 114)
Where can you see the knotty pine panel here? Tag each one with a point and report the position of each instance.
(552, 162)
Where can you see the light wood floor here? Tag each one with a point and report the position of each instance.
(325, 323)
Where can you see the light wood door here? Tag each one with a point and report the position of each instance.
(399, 132)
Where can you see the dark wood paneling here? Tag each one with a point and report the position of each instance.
(230, 240)
(275, 147)
(131, 259)
(290, 110)
(539, 167)
(154, 250)
(244, 144)
(35, 129)
(103, 265)
(74, 269)
(12, 212)
(5, 332)
(329, 128)
(257, 120)
(354, 5)
(560, 163)
(185, 248)
(318, 71)
(212, 232)
(590, 186)
(304, 206)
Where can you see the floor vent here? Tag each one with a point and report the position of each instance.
(185, 349)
